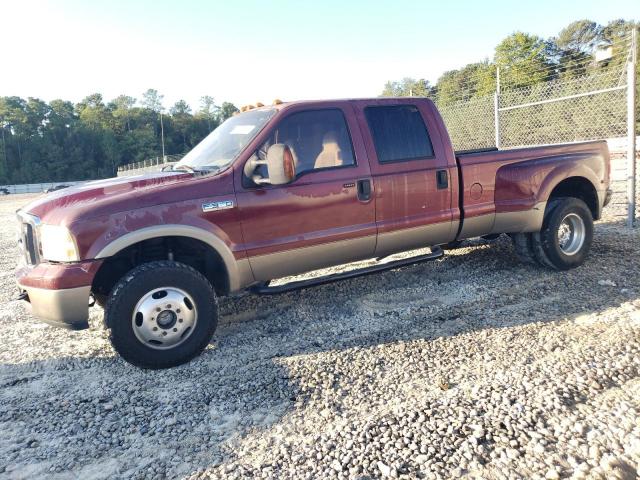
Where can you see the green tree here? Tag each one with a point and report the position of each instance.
(616, 33)
(93, 111)
(152, 100)
(523, 60)
(209, 111)
(527, 62)
(579, 36)
(182, 122)
(13, 119)
(573, 48)
(472, 81)
(181, 107)
(408, 87)
(60, 141)
(121, 107)
(226, 111)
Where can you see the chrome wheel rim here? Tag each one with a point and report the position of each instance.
(571, 234)
(164, 318)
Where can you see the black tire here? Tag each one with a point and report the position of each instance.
(137, 285)
(574, 213)
(538, 251)
(536, 240)
(101, 300)
(523, 245)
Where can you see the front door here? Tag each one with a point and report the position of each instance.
(325, 215)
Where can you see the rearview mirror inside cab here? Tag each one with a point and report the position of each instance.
(281, 168)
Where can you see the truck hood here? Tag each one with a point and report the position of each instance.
(113, 195)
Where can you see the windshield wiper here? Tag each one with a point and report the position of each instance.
(210, 168)
(186, 168)
(190, 169)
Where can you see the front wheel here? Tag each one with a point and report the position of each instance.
(161, 314)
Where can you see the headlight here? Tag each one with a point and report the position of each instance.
(57, 244)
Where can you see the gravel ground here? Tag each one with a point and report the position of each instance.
(472, 366)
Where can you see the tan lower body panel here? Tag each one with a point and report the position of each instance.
(300, 260)
(417, 237)
(504, 222)
(477, 226)
(293, 262)
(520, 222)
(244, 276)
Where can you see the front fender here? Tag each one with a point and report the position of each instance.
(238, 273)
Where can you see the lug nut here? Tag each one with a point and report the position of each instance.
(169, 306)
(177, 310)
(155, 328)
(158, 309)
(180, 320)
(164, 333)
(175, 329)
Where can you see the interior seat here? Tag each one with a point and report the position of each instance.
(330, 155)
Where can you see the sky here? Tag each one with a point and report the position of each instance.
(244, 51)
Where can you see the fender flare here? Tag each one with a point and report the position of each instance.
(236, 274)
(561, 174)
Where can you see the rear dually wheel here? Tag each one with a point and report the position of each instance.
(565, 238)
(567, 232)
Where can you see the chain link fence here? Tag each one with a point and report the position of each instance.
(587, 108)
(470, 122)
(148, 165)
(594, 106)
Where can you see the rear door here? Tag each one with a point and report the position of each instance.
(324, 216)
(412, 174)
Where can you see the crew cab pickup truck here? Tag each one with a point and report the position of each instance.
(285, 189)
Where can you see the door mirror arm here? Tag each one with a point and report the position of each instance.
(250, 170)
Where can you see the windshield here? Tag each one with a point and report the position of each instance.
(223, 145)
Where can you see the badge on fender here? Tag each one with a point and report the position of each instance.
(212, 206)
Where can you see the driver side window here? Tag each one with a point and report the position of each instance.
(317, 138)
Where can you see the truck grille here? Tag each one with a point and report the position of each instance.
(27, 238)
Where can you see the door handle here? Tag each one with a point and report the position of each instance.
(364, 190)
(442, 179)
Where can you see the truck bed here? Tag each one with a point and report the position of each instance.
(502, 191)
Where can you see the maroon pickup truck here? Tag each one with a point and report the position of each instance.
(285, 189)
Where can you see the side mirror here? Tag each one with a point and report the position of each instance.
(280, 164)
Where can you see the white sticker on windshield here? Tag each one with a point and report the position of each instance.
(242, 129)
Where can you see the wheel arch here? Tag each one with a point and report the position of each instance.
(215, 259)
(577, 187)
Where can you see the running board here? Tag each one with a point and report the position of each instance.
(436, 253)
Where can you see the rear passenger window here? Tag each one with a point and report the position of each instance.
(399, 133)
